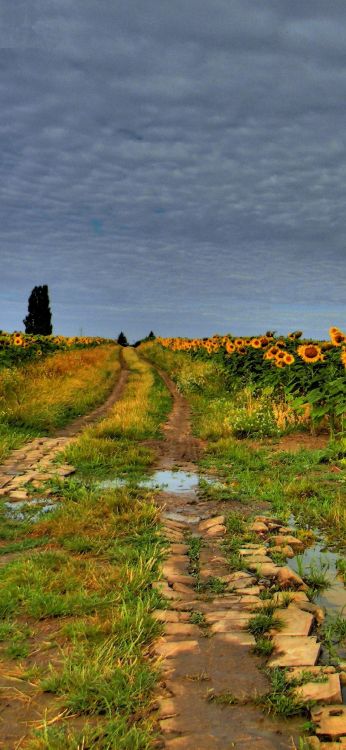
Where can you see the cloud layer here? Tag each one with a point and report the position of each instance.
(176, 166)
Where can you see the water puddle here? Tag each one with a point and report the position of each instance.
(29, 510)
(168, 481)
(315, 560)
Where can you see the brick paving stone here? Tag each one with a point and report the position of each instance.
(182, 628)
(321, 692)
(169, 649)
(170, 615)
(294, 621)
(294, 651)
(210, 522)
(216, 531)
(330, 721)
(238, 637)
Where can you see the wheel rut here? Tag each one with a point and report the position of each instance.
(211, 679)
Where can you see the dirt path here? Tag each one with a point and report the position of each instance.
(211, 678)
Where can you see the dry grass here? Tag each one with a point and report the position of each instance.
(44, 395)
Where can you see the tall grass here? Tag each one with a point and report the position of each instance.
(117, 443)
(39, 397)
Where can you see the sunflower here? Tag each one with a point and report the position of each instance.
(280, 355)
(273, 351)
(309, 352)
(279, 363)
(230, 348)
(238, 342)
(241, 349)
(343, 357)
(288, 359)
(268, 355)
(256, 343)
(264, 340)
(338, 338)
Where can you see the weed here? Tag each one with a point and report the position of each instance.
(262, 622)
(263, 647)
(223, 699)
(212, 585)
(281, 700)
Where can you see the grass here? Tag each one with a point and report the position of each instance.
(194, 549)
(117, 444)
(302, 483)
(85, 572)
(262, 622)
(281, 700)
(38, 397)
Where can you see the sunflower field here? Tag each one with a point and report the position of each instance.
(306, 374)
(17, 348)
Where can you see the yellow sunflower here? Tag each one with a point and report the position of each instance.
(230, 348)
(288, 359)
(338, 338)
(256, 343)
(310, 353)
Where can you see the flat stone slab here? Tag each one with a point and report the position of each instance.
(179, 549)
(258, 527)
(288, 579)
(200, 741)
(253, 550)
(236, 637)
(321, 692)
(330, 721)
(170, 649)
(216, 531)
(295, 651)
(229, 624)
(265, 570)
(210, 522)
(283, 539)
(226, 614)
(255, 560)
(181, 628)
(170, 615)
(294, 621)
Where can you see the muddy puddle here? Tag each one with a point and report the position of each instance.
(167, 481)
(315, 560)
(29, 510)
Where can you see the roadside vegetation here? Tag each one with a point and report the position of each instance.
(41, 396)
(259, 444)
(76, 610)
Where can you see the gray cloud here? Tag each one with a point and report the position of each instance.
(174, 166)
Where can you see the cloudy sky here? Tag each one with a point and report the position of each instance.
(174, 164)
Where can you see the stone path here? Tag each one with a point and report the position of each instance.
(212, 680)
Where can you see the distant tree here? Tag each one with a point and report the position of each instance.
(151, 336)
(39, 317)
(122, 340)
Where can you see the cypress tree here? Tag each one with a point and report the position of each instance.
(39, 317)
(122, 340)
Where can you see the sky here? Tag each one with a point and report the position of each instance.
(174, 165)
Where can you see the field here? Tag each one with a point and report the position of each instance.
(107, 581)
